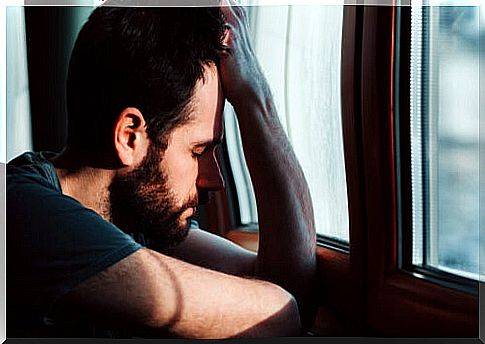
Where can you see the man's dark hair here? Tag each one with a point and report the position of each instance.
(148, 58)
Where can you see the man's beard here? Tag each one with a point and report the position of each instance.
(141, 203)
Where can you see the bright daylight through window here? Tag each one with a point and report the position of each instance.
(299, 48)
(445, 138)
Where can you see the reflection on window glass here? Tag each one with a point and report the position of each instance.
(299, 50)
(445, 138)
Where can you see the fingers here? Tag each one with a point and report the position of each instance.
(226, 41)
(232, 11)
(236, 36)
(228, 11)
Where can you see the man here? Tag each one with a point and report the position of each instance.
(145, 97)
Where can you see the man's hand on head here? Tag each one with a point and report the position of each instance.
(241, 73)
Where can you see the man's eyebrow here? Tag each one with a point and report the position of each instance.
(215, 141)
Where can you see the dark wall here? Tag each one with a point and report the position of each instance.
(51, 32)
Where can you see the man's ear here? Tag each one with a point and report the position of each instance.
(130, 138)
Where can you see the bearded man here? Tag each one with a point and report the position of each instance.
(145, 93)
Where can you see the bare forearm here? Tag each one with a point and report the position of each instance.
(287, 236)
(286, 252)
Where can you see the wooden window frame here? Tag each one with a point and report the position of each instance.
(398, 303)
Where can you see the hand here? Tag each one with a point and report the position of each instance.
(241, 73)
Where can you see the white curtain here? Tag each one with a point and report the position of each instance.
(299, 48)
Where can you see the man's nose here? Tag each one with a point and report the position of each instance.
(209, 177)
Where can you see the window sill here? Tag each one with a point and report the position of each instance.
(337, 312)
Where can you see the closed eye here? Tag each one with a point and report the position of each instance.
(199, 151)
(201, 148)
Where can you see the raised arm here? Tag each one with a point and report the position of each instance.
(287, 247)
(156, 295)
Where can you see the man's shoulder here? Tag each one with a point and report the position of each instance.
(31, 159)
(30, 170)
(34, 195)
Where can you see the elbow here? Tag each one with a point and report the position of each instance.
(280, 317)
(293, 325)
(288, 318)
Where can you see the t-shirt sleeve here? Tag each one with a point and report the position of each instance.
(54, 243)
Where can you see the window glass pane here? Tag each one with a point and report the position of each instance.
(299, 50)
(445, 138)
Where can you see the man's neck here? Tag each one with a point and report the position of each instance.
(86, 184)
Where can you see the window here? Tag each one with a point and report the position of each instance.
(390, 84)
(3, 87)
(35, 120)
(18, 129)
(299, 49)
(400, 299)
(445, 139)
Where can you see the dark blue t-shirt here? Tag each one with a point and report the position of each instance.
(53, 244)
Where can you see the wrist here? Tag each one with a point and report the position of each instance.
(255, 96)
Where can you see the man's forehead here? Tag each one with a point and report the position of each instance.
(202, 129)
(206, 108)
